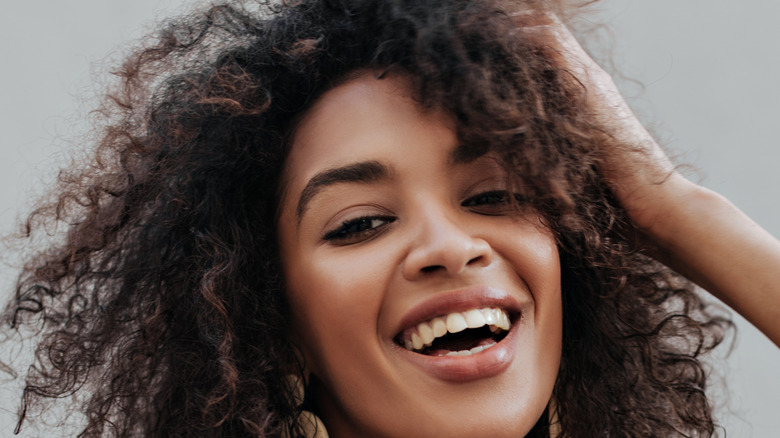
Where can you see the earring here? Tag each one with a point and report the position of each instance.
(311, 424)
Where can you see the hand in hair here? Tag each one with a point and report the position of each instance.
(688, 227)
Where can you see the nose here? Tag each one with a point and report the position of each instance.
(443, 245)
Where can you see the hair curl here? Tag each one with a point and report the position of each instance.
(164, 299)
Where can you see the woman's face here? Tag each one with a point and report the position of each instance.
(390, 247)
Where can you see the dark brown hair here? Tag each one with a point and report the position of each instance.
(164, 300)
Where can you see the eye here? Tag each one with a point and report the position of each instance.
(494, 202)
(357, 230)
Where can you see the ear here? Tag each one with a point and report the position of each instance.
(296, 376)
(554, 421)
(296, 363)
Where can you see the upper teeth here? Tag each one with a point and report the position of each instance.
(426, 332)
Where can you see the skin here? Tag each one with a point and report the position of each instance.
(357, 290)
(690, 228)
(432, 239)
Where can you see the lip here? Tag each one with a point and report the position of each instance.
(486, 363)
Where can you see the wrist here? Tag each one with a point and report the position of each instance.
(664, 205)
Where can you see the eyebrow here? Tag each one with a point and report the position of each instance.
(363, 172)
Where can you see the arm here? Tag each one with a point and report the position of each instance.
(688, 227)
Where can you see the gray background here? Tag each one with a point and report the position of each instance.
(709, 89)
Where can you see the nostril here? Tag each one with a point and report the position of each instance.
(447, 254)
(474, 260)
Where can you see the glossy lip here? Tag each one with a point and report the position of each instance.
(486, 363)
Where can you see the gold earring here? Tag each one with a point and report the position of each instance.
(311, 424)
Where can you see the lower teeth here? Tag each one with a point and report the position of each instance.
(474, 350)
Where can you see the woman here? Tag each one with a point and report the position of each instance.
(303, 195)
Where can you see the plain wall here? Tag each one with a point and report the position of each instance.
(709, 71)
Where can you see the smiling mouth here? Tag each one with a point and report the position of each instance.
(458, 333)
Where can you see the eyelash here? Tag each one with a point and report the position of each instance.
(495, 202)
(351, 231)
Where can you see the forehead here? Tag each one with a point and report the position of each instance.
(358, 120)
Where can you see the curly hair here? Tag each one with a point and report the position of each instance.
(164, 302)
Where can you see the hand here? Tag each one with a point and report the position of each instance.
(637, 170)
(688, 227)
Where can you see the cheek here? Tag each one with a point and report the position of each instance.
(332, 299)
(534, 256)
(530, 249)
(548, 308)
(544, 270)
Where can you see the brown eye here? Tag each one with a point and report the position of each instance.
(355, 230)
(494, 202)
